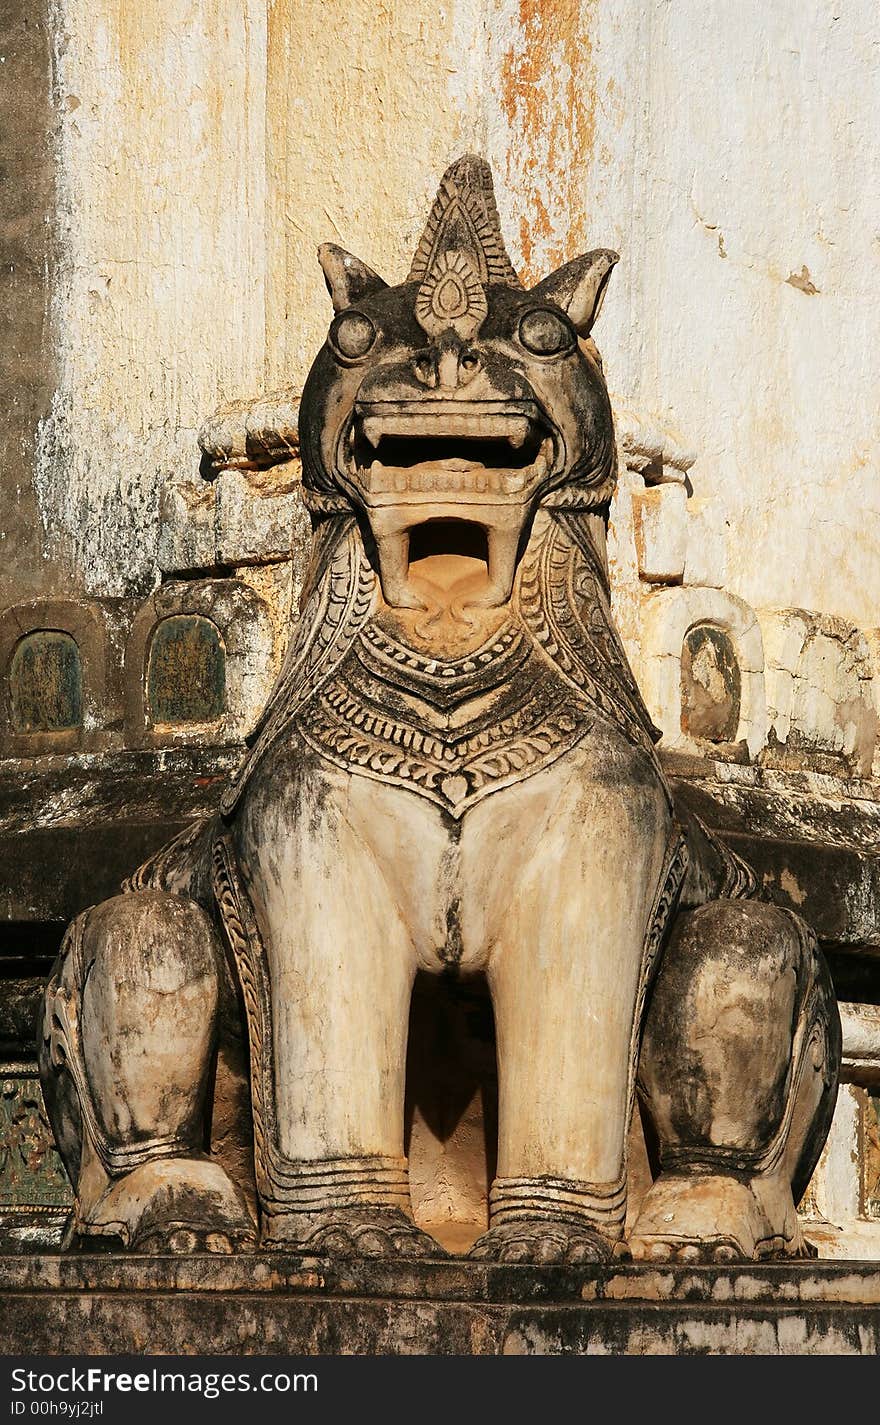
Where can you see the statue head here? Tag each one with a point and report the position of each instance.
(458, 398)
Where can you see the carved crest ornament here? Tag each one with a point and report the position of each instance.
(456, 774)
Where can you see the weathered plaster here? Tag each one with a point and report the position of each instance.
(158, 304)
(726, 152)
(26, 262)
(364, 107)
(760, 163)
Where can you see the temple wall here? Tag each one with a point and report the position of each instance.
(725, 151)
(157, 306)
(203, 150)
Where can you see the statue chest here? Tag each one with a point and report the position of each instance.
(450, 730)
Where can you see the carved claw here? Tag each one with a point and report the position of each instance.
(169, 1206)
(715, 1219)
(675, 1251)
(721, 1252)
(370, 1232)
(181, 1239)
(541, 1242)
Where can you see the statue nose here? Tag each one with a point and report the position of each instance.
(446, 367)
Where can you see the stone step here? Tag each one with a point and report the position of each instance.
(265, 1304)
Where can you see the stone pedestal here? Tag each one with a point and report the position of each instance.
(282, 1304)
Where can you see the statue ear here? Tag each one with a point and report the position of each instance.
(348, 279)
(579, 286)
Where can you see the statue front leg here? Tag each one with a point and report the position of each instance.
(738, 1075)
(327, 963)
(127, 1041)
(563, 1030)
(571, 952)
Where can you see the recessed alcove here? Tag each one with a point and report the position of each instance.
(45, 683)
(186, 671)
(199, 663)
(451, 1111)
(711, 685)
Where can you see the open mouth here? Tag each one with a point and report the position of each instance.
(402, 452)
(433, 462)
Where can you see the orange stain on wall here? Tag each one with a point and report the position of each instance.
(548, 97)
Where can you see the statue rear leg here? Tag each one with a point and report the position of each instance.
(127, 1043)
(738, 1075)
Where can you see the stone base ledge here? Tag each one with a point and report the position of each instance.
(281, 1304)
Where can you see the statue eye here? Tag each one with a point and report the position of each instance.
(546, 333)
(352, 334)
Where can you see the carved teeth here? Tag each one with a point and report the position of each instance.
(503, 545)
(394, 571)
(372, 429)
(459, 476)
(381, 479)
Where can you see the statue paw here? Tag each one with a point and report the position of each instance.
(369, 1232)
(542, 1242)
(181, 1238)
(171, 1206)
(714, 1219)
(688, 1253)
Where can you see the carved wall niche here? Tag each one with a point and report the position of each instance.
(668, 553)
(186, 671)
(57, 687)
(702, 667)
(198, 665)
(711, 685)
(45, 683)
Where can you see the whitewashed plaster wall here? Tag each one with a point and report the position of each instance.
(204, 148)
(760, 270)
(726, 149)
(158, 301)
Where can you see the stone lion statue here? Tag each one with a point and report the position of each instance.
(455, 773)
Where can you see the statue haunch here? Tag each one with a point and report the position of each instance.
(455, 773)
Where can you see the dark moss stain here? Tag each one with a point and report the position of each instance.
(452, 951)
(186, 672)
(45, 683)
(29, 242)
